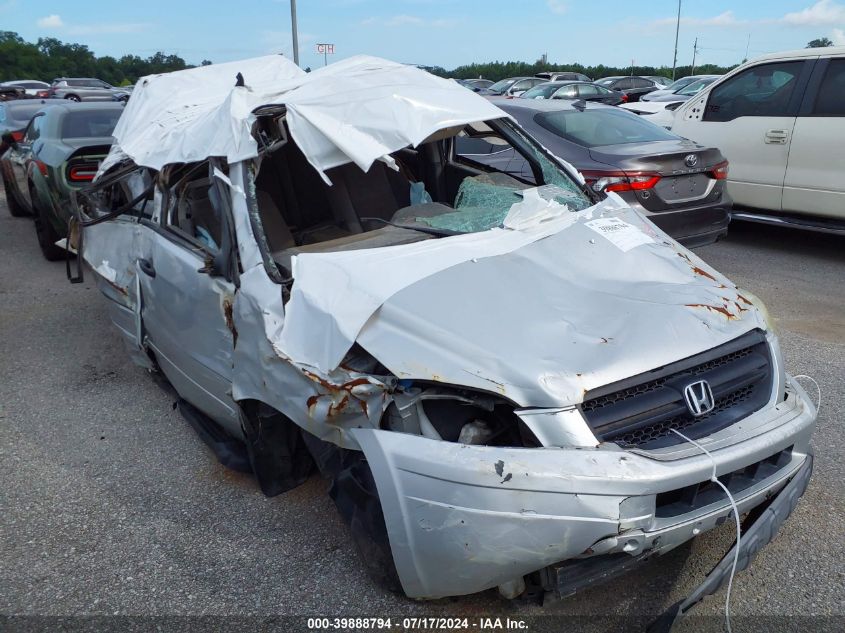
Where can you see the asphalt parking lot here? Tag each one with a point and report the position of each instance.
(110, 504)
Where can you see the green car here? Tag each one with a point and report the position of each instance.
(60, 152)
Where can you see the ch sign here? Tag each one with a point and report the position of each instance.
(325, 50)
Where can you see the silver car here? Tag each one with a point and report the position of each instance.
(499, 370)
(83, 89)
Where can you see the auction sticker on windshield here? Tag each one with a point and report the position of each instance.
(623, 235)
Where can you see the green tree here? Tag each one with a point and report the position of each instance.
(49, 58)
(821, 42)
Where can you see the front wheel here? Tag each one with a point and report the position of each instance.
(47, 236)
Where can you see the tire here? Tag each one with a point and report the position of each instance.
(354, 492)
(15, 207)
(73, 98)
(46, 234)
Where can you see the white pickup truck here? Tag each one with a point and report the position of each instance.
(780, 121)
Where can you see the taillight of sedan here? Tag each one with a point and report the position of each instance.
(720, 171)
(79, 173)
(604, 181)
(619, 180)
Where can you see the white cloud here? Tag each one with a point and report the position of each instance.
(409, 20)
(558, 6)
(50, 22)
(822, 13)
(55, 22)
(725, 19)
(108, 28)
(838, 37)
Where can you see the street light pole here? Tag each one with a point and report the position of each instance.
(677, 29)
(294, 37)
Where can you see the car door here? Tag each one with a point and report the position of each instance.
(624, 85)
(21, 156)
(187, 300)
(102, 91)
(589, 92)
(813, 184)
(750, 117)
(522, 85)
(89, 90)
(566, 92)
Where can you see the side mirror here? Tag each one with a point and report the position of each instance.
(9, 140)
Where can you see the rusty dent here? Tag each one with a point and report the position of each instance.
(340, 396)
(230, 321)
(720, 309)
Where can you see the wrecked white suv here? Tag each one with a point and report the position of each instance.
(490, 366)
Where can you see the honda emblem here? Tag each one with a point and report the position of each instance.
(699, 398)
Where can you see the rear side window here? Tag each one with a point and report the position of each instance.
(594, 128)
(33, 132)
(830, 100)
(566, 92)
(89, 124)
(764, 90)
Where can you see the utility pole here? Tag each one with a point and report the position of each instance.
(294, 36)
(747, 45)
(694, 51)
(677, 29)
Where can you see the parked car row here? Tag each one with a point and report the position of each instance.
(70, 88)
(630, 88)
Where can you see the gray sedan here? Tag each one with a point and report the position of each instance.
(678, 184)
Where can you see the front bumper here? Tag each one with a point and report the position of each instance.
(753, 538)
(463, 519)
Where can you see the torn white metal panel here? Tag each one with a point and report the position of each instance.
(358, 110)
(364, 108)
(326, 405)
(335, 294)
(189, 115)
(545, 323)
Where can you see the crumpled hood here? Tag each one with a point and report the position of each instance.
(545, 323)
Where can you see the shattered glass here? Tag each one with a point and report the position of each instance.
(482, 203)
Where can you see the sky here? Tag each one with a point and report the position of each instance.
(445, 33)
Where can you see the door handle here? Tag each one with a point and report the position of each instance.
(777, 136)
(147, 267)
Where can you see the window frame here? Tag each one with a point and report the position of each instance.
(572, 87)
(819, 73)
(596, 90)
(794, 102)
(31, 126)
(521, 137)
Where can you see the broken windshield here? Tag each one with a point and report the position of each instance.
(462, 180)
